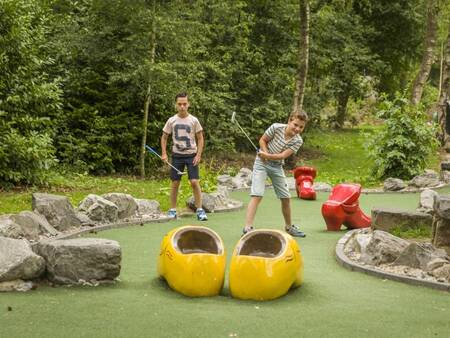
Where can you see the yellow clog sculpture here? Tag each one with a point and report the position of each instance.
(192, 261)
(265, 265)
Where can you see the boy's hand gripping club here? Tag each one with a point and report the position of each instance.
(152, 151)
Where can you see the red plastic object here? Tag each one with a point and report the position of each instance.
(342, 208)
(304, 180)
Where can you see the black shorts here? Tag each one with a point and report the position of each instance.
(180, 162)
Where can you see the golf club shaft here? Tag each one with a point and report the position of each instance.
(237, 123)
(151, 150)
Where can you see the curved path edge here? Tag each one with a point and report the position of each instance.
(137, 221)
(349, 264)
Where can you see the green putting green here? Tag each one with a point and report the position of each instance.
(332, 302)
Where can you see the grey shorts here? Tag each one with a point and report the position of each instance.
(262, 170)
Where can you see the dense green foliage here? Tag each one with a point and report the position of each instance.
(404, 142)
(74, 75)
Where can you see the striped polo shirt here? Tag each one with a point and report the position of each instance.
(278, 144)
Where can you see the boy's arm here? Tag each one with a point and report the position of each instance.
(200, 144)
(163, 146)
(264, 152)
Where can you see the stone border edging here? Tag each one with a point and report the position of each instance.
(351, 265)
(404, 191)
(111, 226)
(140, 221)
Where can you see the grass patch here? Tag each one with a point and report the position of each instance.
(344, 156)
(420, 232)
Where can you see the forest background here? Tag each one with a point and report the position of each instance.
(84, 83)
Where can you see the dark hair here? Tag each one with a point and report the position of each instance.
(182, 94)
(301, 115)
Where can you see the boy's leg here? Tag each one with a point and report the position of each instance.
(194, 179)
(174, 193)
(286, 210)
(251, 211)
(175, 185)
(197, 191)
(259, 176)
(280, 186)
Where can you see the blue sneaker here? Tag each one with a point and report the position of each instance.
(172, 213)
(201, 215)
(295, 231)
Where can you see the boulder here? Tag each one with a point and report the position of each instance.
(418, 256)
(441, 234)
(148, 207)
(393, 184)
(382, 248)
(18, 261)
(56, 209)
(81, 260)
(31, 221)
(388, 219)
(127, 206)
(442, 273)
(225, 180)
(98, 209)
(208, 202)
(16, 285)
(427, 200)
(442, 206)
(429, 179)
(321, 186)
(9, 228)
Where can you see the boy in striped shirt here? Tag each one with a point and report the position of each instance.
(278, 143)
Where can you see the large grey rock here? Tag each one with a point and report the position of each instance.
(208, 202)
(213, 201)
(393, 184)
(442, 206)
(34, 223)
(382, 248)
(445, 176)
(127, 206)
(226, 180)
(441, 233)
(99, 209)
(56, 209)
(80, 260)
(429, 179)
(427, 201)
(442, 273)
(16, 285)
(418, 255)
(9, 228)
(148, 207)
(388, 219)
(321, 186)
(243, 179)
(18, 261)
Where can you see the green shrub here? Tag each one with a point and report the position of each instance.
(25, 159)
(401, 147)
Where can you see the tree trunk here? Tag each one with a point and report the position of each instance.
(303, 56)
(302, 70)
(342, 108)
(428, 56)
(445, 92)
(148, 98)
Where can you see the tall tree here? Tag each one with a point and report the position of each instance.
(148, 95)
(444, 98)
(303, 56)
(428, 55)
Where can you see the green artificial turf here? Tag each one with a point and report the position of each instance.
(333, 302)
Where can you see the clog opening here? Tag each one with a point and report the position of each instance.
(191, 241)
(262, 244)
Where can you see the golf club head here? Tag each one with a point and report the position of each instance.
(233, 117)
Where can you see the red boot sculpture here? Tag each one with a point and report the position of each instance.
(342, 207)
(304, 179)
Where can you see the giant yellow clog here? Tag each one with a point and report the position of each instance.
(265, 265)
(192, 261)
